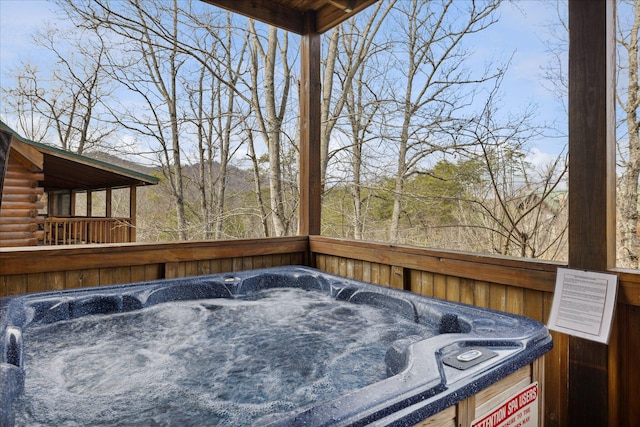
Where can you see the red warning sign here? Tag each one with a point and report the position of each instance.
(520, 410)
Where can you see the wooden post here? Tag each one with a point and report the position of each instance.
(107, 201)
(133, 208)
(89, 203)
(310, 187)
(72, 202)
(51, 203)
(591, 188)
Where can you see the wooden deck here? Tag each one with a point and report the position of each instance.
(513, 285)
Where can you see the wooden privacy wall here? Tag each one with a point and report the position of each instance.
(57, 268)
(513, 285)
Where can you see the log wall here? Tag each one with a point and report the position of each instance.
(20, 224)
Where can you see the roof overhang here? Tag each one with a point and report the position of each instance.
(290, 14)
(69, 171)
(64, 170)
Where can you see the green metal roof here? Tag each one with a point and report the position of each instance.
(67, 170)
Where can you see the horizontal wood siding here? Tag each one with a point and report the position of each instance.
(624, 348)
(480, 404)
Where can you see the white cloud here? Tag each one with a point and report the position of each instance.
(540, 159)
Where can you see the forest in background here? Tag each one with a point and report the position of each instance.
(419, 144)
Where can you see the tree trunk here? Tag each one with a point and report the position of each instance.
(628, 182)
(271, 122)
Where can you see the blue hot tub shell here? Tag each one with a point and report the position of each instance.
(471, 349)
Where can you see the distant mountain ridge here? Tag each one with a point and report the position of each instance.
(122, 162)
(237, 179)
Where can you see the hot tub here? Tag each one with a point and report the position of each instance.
(279, 346)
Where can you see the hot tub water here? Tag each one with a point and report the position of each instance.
(206, 362)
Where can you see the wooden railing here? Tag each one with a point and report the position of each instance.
(37, 269)
(82, 230)
(508, 284)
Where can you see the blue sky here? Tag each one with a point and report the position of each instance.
(19, 19)
(520, 31)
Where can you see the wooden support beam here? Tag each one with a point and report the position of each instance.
(292, 16)
(72, 202)
(591, 188)
(108, 199)
(266, 11)
(329, 17)
(310, 186)
(133, 212)
(51, 204)
(89, 203)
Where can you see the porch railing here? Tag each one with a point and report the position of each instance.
(74, 231)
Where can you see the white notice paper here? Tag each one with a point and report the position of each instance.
(583, 304)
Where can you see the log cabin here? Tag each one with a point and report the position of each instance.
(34, 170)
(585, 383)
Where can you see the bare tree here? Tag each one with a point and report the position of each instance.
(18, 102)
(363, 107)
(147, 63)
(628, 97)
(358, 43)
(67, 101)
(554, 72)
(517, 209)
(216, 114)
(257, 191)
(437, 87)
(269, 108)
(520, 210)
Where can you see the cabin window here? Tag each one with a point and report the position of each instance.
(60, 203)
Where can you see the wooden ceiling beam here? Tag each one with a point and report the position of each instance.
(329, 16)
(267, 11)
(290, 15)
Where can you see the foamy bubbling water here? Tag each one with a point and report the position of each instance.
(205, 362)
